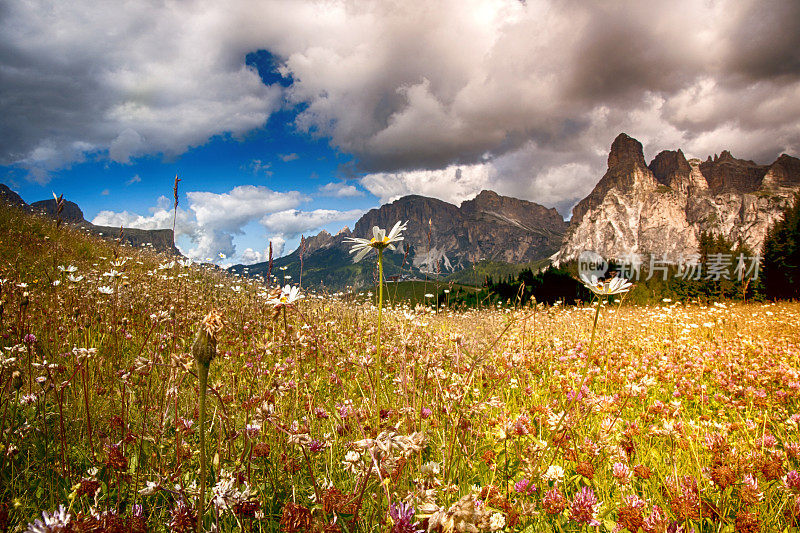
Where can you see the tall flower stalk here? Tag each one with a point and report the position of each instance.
(379, 241)
(204, 349)
(175, 207)
(601, 289)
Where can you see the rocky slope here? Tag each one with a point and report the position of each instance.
(440, 238)
(160, 240)
(662, 208)
(445, 238)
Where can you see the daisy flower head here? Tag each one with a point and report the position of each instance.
(606, 287)
(288, 296)
(379, 240)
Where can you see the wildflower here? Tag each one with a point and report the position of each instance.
(749, 493)
(524, 486)
(467, 514)
(642, 471)
(317, 446)
(379, 241)
(657, 522)
(585, 469)
(584, 507)
(630, 514)
(182, 519)
(615, 285)
(554, 473)
(554, 502)
(204, 349)
(104, 289)
(351, 459)
(723, 476)
(402, 516)
(497, 522)
(51, 523)
(150, 487)
(621, 473)
(288, 296)
(747, 522)
(296, 518)
(792, 481)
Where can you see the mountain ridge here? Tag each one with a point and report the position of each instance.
(161, 240)
(662, 208)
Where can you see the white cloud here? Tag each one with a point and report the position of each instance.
(161, 217)
(291, 222)
(134, 179)
(211, 220)
(339, 190)
(453, 184)
(240, 205)
(250, 256)
(288, 157)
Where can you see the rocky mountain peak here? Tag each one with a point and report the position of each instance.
(11, 198)
(784, 172)
(671, 168)
(726, 173)
(315, 242)
(625, 152)
(71, 213)
(662, 208)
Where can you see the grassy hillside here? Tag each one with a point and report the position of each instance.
(601, 418)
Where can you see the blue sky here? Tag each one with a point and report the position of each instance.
(285, 117)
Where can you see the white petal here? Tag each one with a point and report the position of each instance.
(360, 255)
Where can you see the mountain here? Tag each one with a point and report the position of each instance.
(488, 227)
(160, 239)
(662, 208)
(440, 238)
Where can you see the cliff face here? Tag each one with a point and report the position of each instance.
(443, 237)
(662, 208)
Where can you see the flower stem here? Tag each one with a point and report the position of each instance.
(380, 301)
(576, 392)
(202, 372)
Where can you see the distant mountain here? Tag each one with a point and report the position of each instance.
(160, 239)
(662, 208)
(441, 238)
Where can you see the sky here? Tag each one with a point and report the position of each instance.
(286, 117)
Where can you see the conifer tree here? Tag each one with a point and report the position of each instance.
(781, 253)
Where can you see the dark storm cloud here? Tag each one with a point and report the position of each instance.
(526, 97)
(765, 41)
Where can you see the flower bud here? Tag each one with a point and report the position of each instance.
(16, 380)
(204, 347)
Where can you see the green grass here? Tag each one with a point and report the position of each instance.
(413, 292)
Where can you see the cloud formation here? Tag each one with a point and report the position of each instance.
(213, 219)
(291, 222)
(524, 96)
(339, 190)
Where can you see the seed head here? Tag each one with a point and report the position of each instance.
(204, 347)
